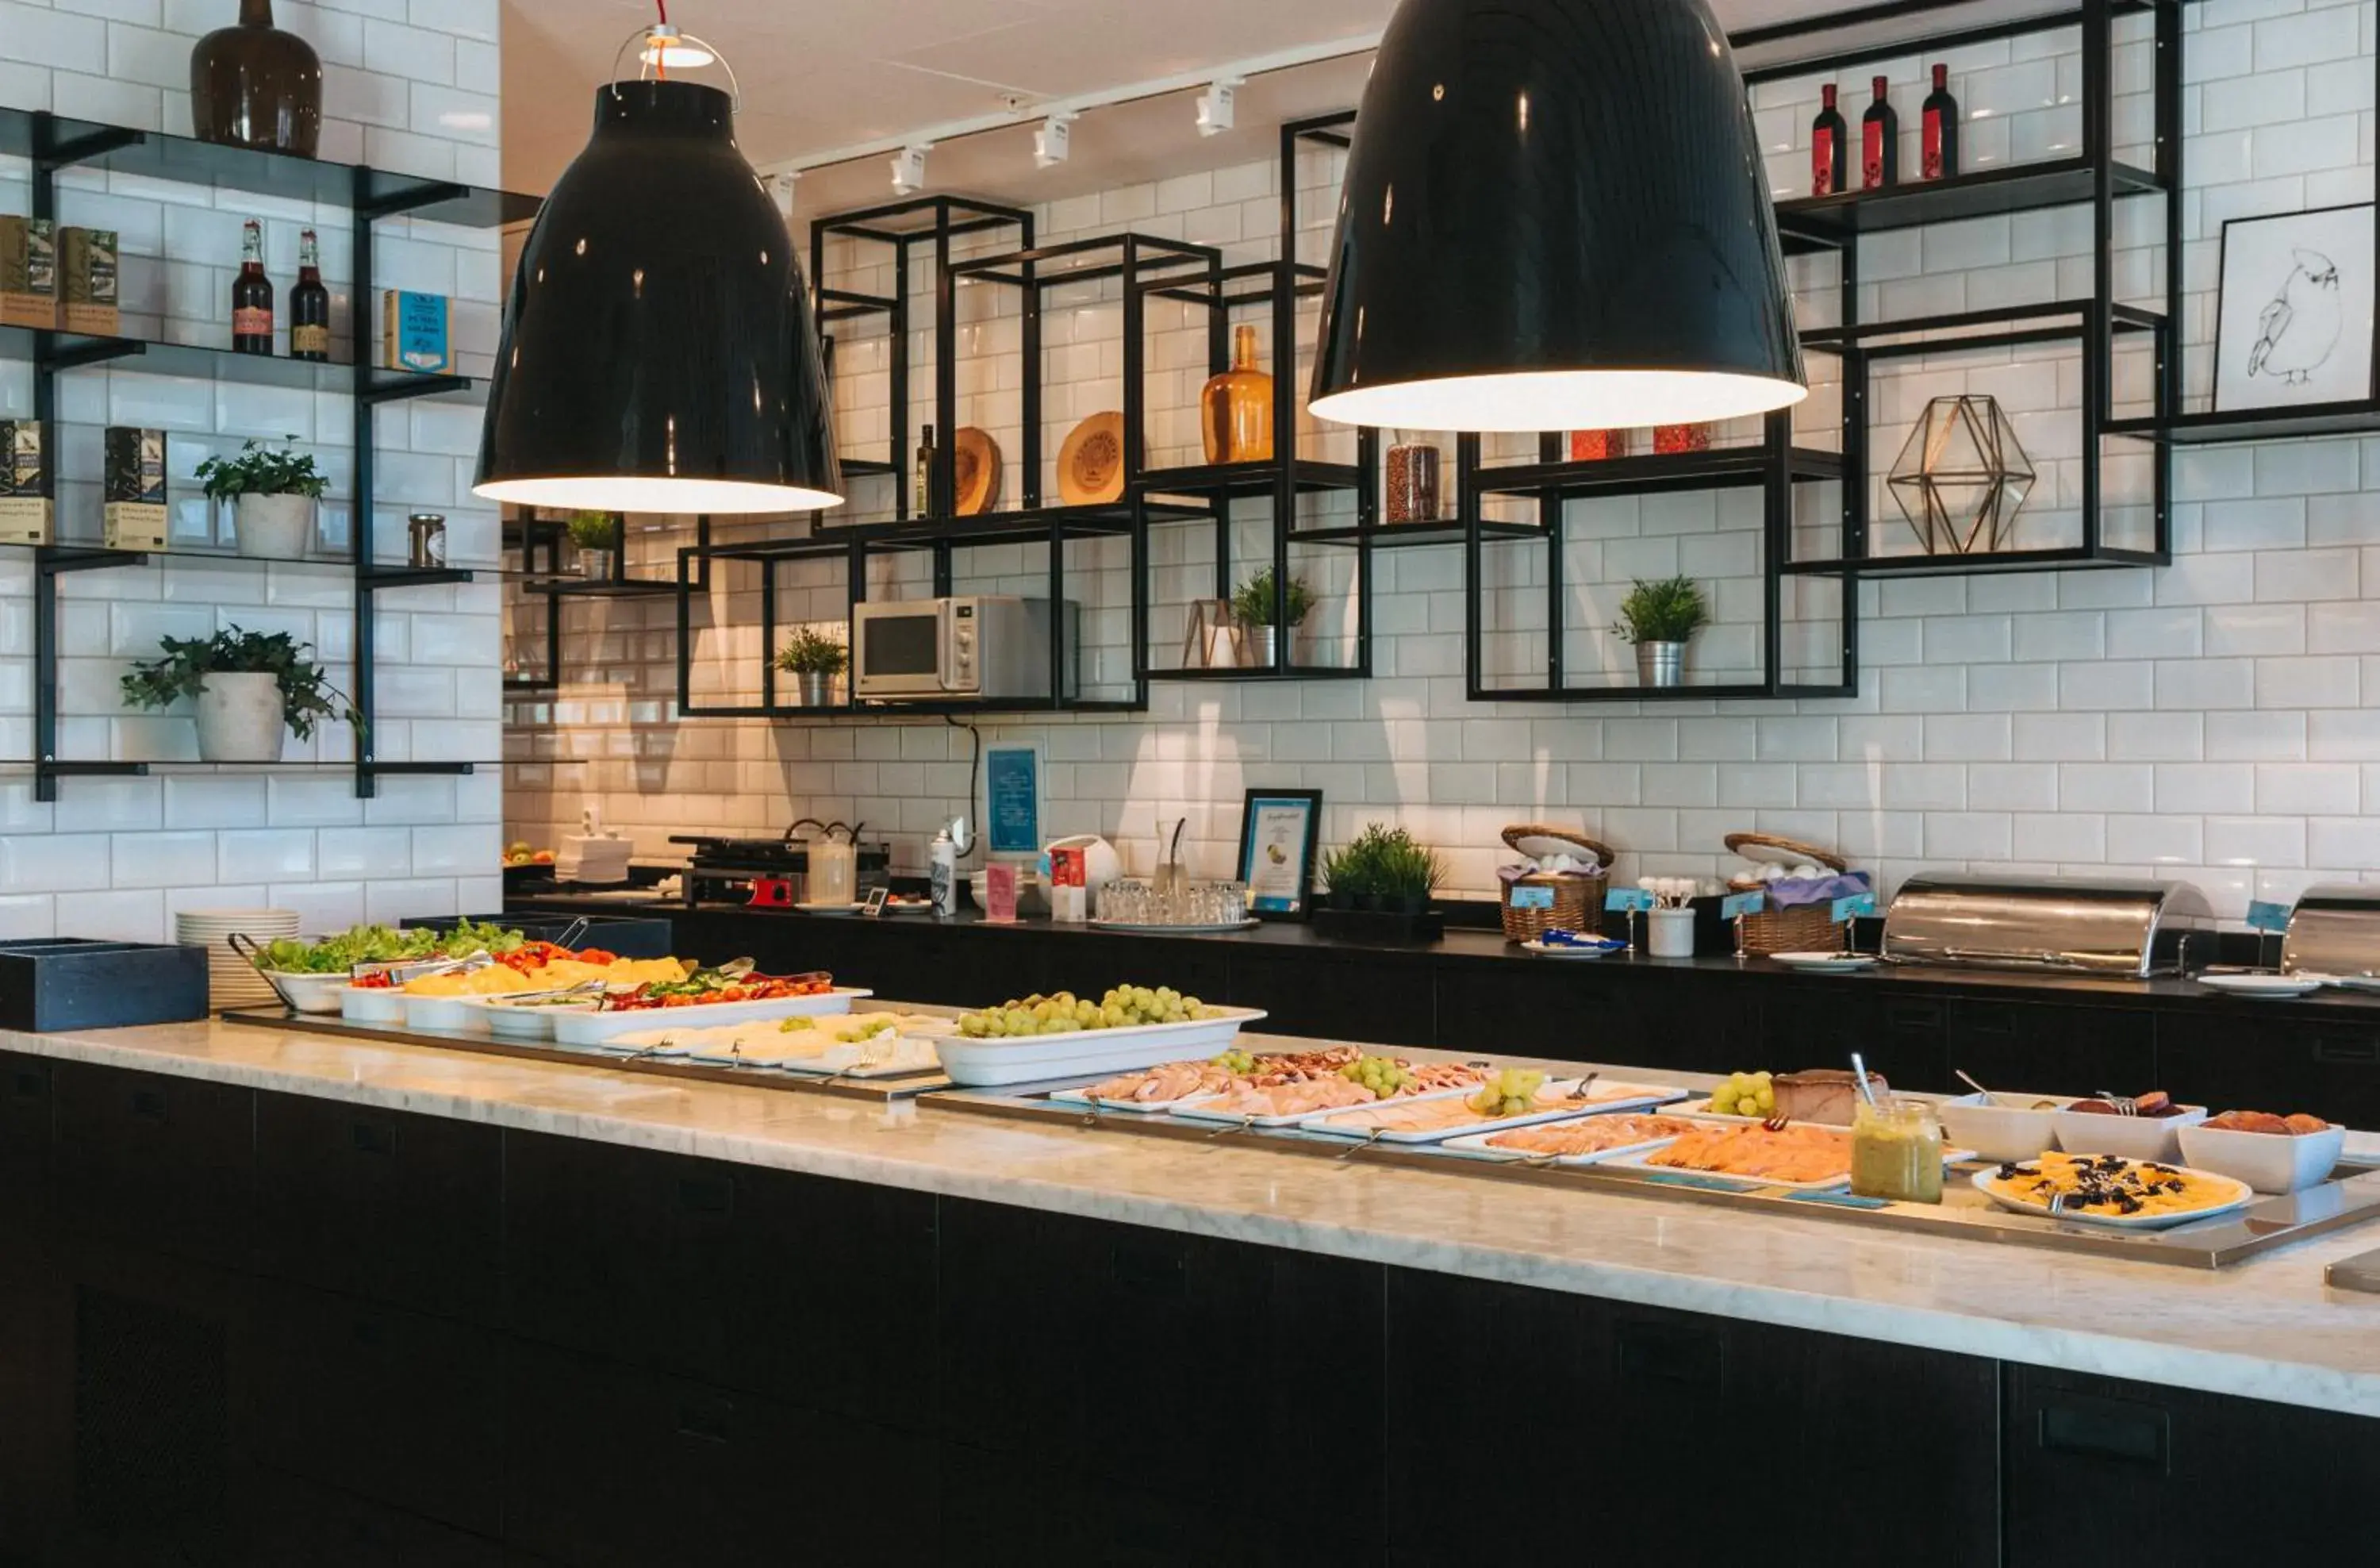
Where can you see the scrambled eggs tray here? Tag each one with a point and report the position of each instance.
(501, 979)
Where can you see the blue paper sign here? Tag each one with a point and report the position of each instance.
(1838, 1199)
(2262, 916)
(1736, 904)
(1627, 900)
(1012, 793)
(1857, 904)
(1532, 898)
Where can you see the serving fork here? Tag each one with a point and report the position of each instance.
(2121, 1104)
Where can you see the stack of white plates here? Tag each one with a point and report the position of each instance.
(231, 981)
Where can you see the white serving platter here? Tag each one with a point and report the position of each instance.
(1640, 1161)
(1700, 1111)
(991, 1064)
(2264, 985)
(595, 1029)
(2123, 1221)
(1825, 962)
(1554, 1104)
(507, 1019)
(1144, 928)
(1208, 1108)
(1134, 1106)
(1476, 1143)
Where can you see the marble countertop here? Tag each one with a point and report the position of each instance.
(2267, 1328)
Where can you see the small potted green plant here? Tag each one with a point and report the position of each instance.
(1379, 885)
(597, 535)
(1253, 607)
(251, 687)
(814, 658)
(271, 494)
(1660, 618)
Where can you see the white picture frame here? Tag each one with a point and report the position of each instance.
(2294, 316)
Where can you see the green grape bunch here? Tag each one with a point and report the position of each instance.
(1123, 1008)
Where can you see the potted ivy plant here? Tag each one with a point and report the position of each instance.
(597, 535)
(1660, 618)
(271, 494)
(253, 687)
(1253, 606)
(814, 658)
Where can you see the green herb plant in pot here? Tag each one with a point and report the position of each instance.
(1383, 868)
(251, 689)
(1253, 606)
(597, 535)
(272, 496)
(1660, 618)
(814, 658)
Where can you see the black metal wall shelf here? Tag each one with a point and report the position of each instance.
(1810, 224)
(53, 143)
(1655, 473)
(2214, 429)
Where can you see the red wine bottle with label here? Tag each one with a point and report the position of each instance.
(1829, 138)
(1879, 143)
(251, 296)
(1939, 132)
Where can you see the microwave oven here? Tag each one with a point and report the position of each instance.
(982, 648)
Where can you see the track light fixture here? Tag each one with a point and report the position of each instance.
(1054, 140)
(1215, 105)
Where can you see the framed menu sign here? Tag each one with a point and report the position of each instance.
(1278, 831)
(1012, 800)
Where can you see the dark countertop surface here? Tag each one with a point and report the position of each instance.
(1465, 947)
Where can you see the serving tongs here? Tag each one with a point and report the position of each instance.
(246, 947)
(398, 971)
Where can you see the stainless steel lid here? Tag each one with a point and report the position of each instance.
(2335, 929)
(2097, 925)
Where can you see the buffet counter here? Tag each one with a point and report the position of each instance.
(2267, 1328)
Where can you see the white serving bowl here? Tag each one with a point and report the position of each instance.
(2007, 1127)
(372, 1004)
(2267, 1161)
(443, 1013)
(511, 1021)
(310, 993)
(2134, 1138)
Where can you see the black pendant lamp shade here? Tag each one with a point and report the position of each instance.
(1555, 217)
(658, 351)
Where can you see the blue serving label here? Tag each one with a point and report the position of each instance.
(1710, 1183)
(2264, 917)
(1626, 900)
(1532, 898)
(1856, 904)
(1840, 1200)
(1737, 904)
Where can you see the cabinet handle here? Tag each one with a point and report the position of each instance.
(2347, 1052)
(2125, 1434)
(707, 1195)
(148, 1103)
(704, 1424)
(373, 1137)
(1651, 1353)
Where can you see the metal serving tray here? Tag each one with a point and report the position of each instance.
(2351, 1197)
(2060, 924)
(881, 1090)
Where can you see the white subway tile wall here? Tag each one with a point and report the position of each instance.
(409, 90)
(2204, 722)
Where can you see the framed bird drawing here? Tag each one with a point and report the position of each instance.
(2294, 325)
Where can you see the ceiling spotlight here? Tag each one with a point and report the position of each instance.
(1215, 105)
(909, 169)
(1054, 140)
(667, 47)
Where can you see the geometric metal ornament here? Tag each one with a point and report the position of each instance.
(1961, 477)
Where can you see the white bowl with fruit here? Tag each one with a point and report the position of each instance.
(1040, 1038)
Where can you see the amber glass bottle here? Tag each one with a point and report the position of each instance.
(1236, 411)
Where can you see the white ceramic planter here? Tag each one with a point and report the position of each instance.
(276, 527)
(241, 719)
(1669, 933)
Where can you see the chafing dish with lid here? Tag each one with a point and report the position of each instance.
(2093, 927)
(2335, 929)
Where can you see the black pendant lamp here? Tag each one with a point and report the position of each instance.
(658, 350)
(1554, 217)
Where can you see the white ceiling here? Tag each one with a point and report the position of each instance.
(822, 75)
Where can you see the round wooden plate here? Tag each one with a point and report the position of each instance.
(1090, 464)
(976, 478)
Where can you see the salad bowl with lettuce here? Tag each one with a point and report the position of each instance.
(311, 972)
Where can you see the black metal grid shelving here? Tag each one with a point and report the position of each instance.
(51, 143)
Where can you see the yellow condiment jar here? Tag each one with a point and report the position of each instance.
(1897, 1150)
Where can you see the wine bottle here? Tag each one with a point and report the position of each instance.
(1828, 139)
(924, 506)
(1879, 143)
(310, 304)
(251, 296)
(1938, 131)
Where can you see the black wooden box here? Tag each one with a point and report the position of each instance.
(70, 983)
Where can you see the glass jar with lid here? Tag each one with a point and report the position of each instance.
(1897, 1149)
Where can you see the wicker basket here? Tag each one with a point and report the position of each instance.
(1804, 928)
(1578, 900)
